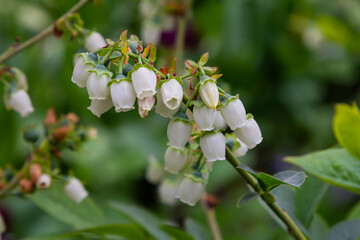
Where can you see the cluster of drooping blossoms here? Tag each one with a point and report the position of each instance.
(122, 72)
(15, 91)
(44, 166)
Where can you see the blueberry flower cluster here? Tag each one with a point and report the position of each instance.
(204, 118)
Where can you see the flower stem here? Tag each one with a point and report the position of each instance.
(211, 219)
(191, 97)
(292, 228)
(14, 49)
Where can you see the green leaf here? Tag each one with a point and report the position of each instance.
(123, 36)
(307, 199)
(56, 203)
(127, 231)
(354, 212)
(334, 166)
(152, 55)
(348, 230)
(146, 51)
(146, 220)
(204, 59)
(176, 233)
(196, 230)
(247, 197)
(172, 69)
(347, 128)
(318, 227)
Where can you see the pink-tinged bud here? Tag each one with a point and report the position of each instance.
(26, 185)
(35, 172)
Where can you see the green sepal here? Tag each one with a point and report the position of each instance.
(191, 65)
(119, 78)
(210, 70)
(100, 70)
(204, 59)
(198, 103)
(204, 133)
(196, 176)
(89, 58)
(185, 150)
(181, 116)
(224, 100)
(139, 65)
(134, 37)
(249, 115)
(171, 77)
(204, 79)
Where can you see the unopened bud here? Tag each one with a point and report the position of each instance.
(35, 172)
(25, 185)
(72, 117)
(50, 117)
(60, 133)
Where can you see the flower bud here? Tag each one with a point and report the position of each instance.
(25, 185)
(154, 170)
(219, 121)
(213, 146)
(80, 73)
(145, 105)
(98, 107)
(167, 190)
(97, 86)
(175, 159)
(123, 96)
(204, 117)
(94, 41)
(21, 103)
(240, 151)
(144, 82)
(162, 109)
(209, 93)
(250, 133)
(75, 190)
(43, 182)
(172, 93)
(190, 190)
(178, 133)
(61, 132)
(234, 113)
(35, 172)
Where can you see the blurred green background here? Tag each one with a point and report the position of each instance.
(291, 61)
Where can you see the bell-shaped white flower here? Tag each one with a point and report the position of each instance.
(167, 190)
(154, 170)
(123, 96)
(44, 181)
(98, 107)
(162, 109)
(20, 102)
(250, 133)
(97, 86)
(144, 82)
(75, 190)
(234, 113)
(175, 159)
(145, 105)
(241, 150)
(172, 93)
(213, 146)
(209, 93)
(80, 73)
(190, 191)
(94, 41)
(179, 132)
(204, 117)
(219, 121)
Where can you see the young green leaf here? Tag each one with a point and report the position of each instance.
(334, 166)
(204, 59)
(347, 128)
(123, 36)
(146, 51)
(176, 233)
(152, 56)
(349, 230)
(247, 197)
(172, 69)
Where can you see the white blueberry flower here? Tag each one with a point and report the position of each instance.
(209, 93)
(190, 190)
(172, 93)
(234, 113)
(123, 96)
(241, 150)
(213, 146)
(97, 85)
(167, 190)
(20, 102)
(144, 82)
(98, 107)
(76, 190)
(179, 132)
(94, 41)
(80, 73)
(204, 117)
(162, 109)
(250, 133)
(44, 181)
(175, 159)
(219, 121)
(154, 170)
(145, 105)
